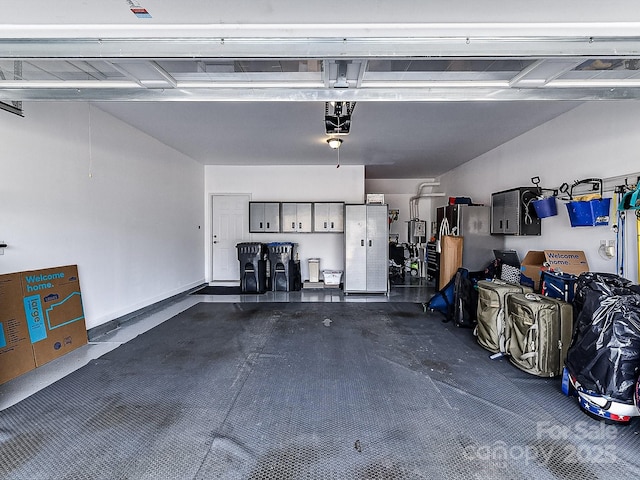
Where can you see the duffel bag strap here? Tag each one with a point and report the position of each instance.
(527, 341)
(502, 340)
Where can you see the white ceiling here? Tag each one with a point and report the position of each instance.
(435, 83)
(393, 140)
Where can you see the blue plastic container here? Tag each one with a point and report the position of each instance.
(590, 213)
(559, 285)
(545, 207)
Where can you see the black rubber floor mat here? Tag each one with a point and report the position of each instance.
(307, 390)
(218, 290)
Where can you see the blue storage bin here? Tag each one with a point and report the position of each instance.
(558, 285)
(589, 213)
(545, 207)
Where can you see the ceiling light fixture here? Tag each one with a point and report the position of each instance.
(334, 142)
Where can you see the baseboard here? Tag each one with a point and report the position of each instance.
(110, 325)
(224, 283)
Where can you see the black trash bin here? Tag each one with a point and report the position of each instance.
(284, 270)
(253, 267)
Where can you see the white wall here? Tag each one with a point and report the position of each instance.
(397, 193)
(597, 139)
(290, 183)
(123, 207)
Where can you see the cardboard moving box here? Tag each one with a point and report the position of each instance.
(567, 261)
(16, 353)
(41, 318)
(53, 307)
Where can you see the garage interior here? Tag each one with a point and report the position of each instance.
(135, 136)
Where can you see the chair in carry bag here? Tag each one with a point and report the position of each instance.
(444, 300)
(490, 329)
(465, 302)
(538, 333)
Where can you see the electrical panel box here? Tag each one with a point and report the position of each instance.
(417, 231)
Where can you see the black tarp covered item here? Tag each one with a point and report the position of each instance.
(604, 355)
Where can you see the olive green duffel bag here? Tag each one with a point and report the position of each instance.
(538, 333)
(491, 312)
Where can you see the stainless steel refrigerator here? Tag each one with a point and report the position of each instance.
(473, 222)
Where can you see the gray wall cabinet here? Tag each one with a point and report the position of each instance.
(513, 214)
(296, 217)
(328, 217)
(264, 217)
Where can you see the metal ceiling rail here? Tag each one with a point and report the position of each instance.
(130, 91)
(318, 48)
(329, 28)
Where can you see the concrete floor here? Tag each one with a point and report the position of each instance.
(413, 290)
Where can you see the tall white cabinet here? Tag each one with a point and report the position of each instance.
(366, 235)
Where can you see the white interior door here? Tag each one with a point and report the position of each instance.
(229, 226)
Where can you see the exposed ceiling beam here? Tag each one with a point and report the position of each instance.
(130, 91)
(328, 29)
(320, 48)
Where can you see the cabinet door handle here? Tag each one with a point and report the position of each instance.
(260, 224)
(300, 225)
(325, 224)
(331, 224)
(362, 243)
(507, 224)
(293, 224)
(369, 242)
(267, 224)
(500, 224)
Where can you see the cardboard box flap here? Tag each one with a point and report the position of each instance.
(567, 261)
(534, 257)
